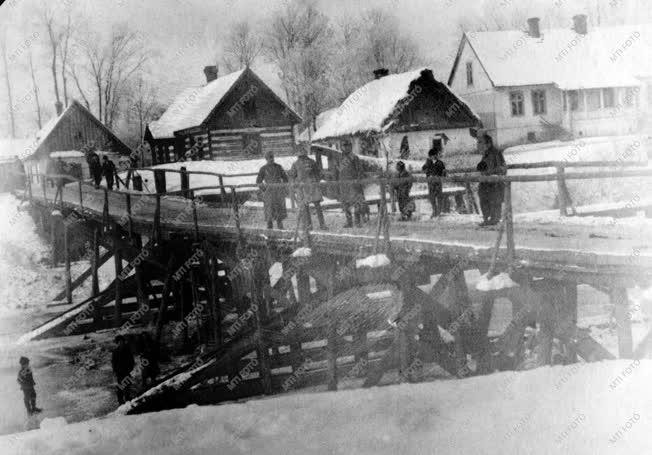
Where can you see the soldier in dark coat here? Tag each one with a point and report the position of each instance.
(94, 168)
(490, 193)
(122, 362)
(306, 174)
(26, 382)
(108, 170)
(19, 176)
(348, 171)
(434, 167)
(402, 187)
(273, 197)
(59, 168)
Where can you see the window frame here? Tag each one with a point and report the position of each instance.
(469, 74)
(518, 103)
(539, 97)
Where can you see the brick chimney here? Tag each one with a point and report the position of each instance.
(533, 27)
(211, 73)
(58, 105)
(579, 24)
(380, 73)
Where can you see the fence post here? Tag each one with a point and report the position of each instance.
(66, 256)
(185, 182)
(222, 189)
(509, 225)
(157, 219)
(81, 198)
(131, 225)
(44, 184)
(560, 191)
(236, 213)
(105, 211)
(194, 217)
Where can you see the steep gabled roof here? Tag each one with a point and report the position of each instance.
(46, 131)
(605, 57)
(320, 120)
(370, 107)
(193, 106)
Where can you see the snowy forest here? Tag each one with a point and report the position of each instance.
(126, 61)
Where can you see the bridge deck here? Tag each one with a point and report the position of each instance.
(619, 250)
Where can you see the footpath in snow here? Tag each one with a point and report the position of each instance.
(598, 408)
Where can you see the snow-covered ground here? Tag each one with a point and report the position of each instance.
(598, 408)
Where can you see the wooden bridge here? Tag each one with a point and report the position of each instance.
(204, 268)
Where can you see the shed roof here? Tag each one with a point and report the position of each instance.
(612, 56)
(370, 107)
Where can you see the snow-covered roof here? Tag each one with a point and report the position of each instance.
(604, 57)
(369, 108)
(67, 154)
(51, 125)
(164, 127)
(193, 105)
(321, 119)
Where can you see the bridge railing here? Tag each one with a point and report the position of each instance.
(383, 182)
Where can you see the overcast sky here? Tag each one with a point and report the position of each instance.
(187, 34)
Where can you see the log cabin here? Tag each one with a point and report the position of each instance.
(233, 116)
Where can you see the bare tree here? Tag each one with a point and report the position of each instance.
(64, 53)
(299, 43)
(10, 99)
(36, 90)
(54, 36)
(143, 105)
(242, 48)
(109, 66)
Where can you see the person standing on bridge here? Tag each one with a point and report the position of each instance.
(273, 197)
(402, 187)
(348, 171)
(59, 169)
(306, 174)
(490, 193)
(434, 167)
(94, 168)
(108, 170)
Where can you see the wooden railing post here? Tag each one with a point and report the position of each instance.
(222, 189)
(236, 213)
(194, 218)
(44, 184)
(157, 219)
(66, 255)
(509, 225)
(81, 198)
(561, 191)
(105, 211)
(185, 182)
(129, 219)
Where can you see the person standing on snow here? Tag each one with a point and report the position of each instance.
(307, 175)
(26, 382)
(490, 193)
(122, 362)
(273, 197)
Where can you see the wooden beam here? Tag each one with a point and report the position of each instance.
(66, 252)
(96, 262)
(618, 297)
(117, 311)
(332, 337)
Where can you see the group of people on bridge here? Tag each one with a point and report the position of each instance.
(306, 174)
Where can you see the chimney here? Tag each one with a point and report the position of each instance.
(579, 24)
(380, 72)
(59, 107)
(211, 73)
(533, 27)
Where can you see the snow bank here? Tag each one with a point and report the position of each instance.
(500, 281)
(581, 409)
(53, 422)
(303, 252)
(374, 261)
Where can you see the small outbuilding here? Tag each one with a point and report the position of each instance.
(399, 116)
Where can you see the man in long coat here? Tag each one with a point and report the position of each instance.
(94, 167)
(273, 197)
(490, 193)
(402, 186)
(306, 174)
(434, 167)
(349, 171)
(108, 170)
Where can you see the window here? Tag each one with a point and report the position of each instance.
(538, 102)
(573, 100)
(469, 73)
(608, 98)
(592, 100)
(516, 100)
